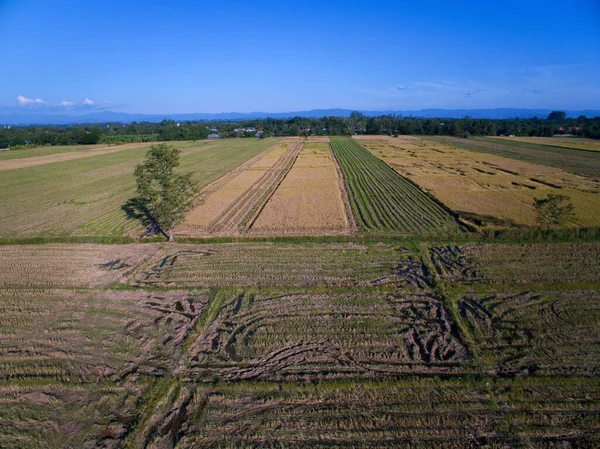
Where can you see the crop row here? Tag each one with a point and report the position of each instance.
(251, 264)
(383, 200)
(424, 413)
(326, 336)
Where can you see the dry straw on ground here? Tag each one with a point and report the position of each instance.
(308, 199)
(499, 189)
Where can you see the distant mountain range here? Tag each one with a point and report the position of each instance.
(14, 117)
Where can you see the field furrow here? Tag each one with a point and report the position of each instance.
(241, 214)
(382, 200)
(308, 200)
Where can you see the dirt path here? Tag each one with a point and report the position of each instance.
(61, 157)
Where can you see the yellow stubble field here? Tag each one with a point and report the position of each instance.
(566, 142)
(216, 202)
(496, 191)
(308, 200)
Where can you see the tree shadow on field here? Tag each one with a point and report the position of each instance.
(135, 208)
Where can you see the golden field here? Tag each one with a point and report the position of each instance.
(566, 142)
(308, 199)
(500, 191)
(216, 202)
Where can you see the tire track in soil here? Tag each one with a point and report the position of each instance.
(243, 212)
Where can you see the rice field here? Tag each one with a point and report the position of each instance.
(84, 197)
(309, 198)
(269, 264)
(265, 344)
(488, 190)
(384, 201)
(583, 163)
(399, 337)
(577, 143)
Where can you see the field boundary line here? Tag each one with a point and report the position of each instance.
(350, 218)
(250, 221)
(217, 184)
(235, 218)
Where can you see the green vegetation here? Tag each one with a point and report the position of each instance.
(554, 210)
(163, 195)
(83, 197)
(382, 200)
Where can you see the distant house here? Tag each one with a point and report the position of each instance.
(251, 129)
(259, 134)
(214, 130)
(238, 130)
(213, 136)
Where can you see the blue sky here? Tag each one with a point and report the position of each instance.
(195, 56)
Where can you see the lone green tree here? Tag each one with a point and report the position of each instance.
(554, 210)
(163, 194)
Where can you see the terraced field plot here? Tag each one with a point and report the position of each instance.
(85, 196)
(489, 190)
(309, 198)
(384, 201)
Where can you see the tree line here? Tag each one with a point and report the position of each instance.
(357, 123)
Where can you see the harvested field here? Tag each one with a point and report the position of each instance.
(547, 333)
(402, 344)
(488, 190)
(86, 196)
(577, 143)
(68, 265)
(92, 335)
(423, 413)
(384, 201)
(215, 201)
(584, 163)
(559, 263)
(45, 151)
(317, 139)
(31, 161)
(61, 415)
(265, 264)
(241, 213)
(303, 337)
(308, 200)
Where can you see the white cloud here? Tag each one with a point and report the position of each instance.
(88, 102)
(66, 103)
(24, 101)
